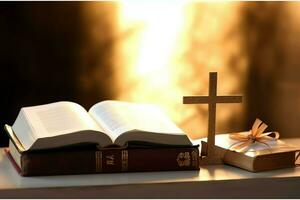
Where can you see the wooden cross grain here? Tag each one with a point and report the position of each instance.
(212, 99)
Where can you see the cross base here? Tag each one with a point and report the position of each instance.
(210, 160)
(214, 157)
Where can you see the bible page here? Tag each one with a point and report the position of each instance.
(119, 117)
(107, 115)
(58, 118)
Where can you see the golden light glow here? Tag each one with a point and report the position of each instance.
(168, 51)
(151, 73)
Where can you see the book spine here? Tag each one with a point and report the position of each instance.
(109, 161)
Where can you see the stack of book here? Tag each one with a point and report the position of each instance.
(113, 136)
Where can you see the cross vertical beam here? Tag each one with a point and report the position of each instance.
(212, 113)
(212, 99)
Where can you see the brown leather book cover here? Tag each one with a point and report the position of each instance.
(90, 160)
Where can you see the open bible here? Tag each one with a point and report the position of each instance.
(106, 123)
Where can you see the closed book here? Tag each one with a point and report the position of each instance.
(259, 157)
(89, 160)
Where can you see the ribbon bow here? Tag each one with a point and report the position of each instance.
(254, 135)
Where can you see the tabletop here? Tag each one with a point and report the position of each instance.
(209, 182)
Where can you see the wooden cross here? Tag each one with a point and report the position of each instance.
(212, 99)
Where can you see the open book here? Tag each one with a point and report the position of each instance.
(106, 123)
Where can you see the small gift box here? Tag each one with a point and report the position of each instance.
(254, 150)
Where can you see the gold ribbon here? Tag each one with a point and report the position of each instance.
(255, 135)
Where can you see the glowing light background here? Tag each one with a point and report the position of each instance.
(172, 50)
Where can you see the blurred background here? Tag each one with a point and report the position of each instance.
(155, 52)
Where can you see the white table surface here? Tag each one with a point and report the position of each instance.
(10, 180)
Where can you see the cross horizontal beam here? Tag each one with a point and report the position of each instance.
(211, 99)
